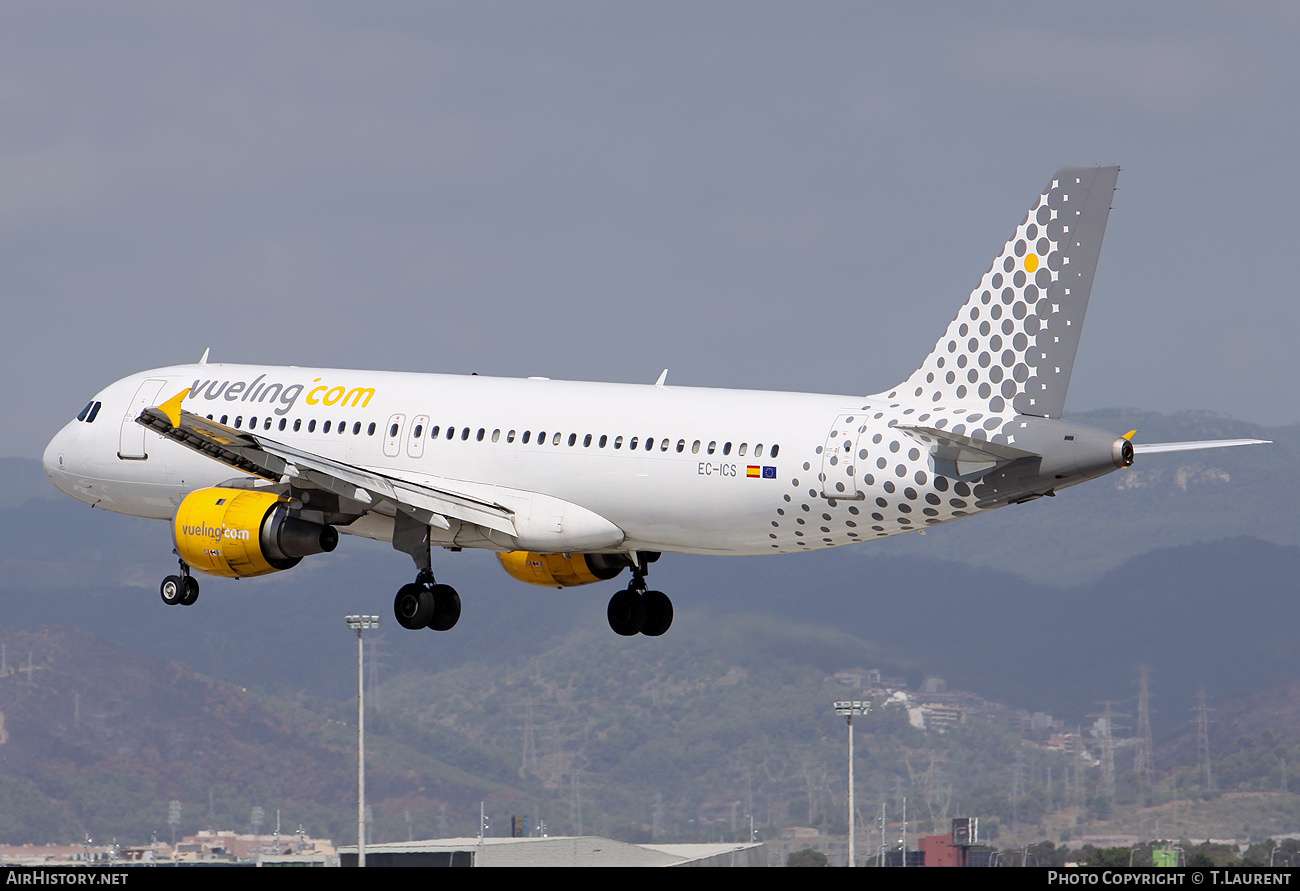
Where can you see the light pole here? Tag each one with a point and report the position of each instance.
(359, 624)
(849, 708)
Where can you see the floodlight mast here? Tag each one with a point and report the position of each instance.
(359, 624)
(848, 708)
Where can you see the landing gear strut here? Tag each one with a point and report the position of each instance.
(637, 610)
(180, 590)
(424, 604)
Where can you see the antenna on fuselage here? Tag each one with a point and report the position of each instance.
(663, 376)
(204, 360)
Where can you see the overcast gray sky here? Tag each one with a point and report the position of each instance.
(771, 195)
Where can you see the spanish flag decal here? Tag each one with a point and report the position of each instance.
(753, 470)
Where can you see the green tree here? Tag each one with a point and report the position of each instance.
(807, 857)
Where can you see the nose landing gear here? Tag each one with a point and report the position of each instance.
(180, 590)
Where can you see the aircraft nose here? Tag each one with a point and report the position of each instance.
(57, 458)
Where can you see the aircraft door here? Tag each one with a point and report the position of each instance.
(393, 436)
(130, 445)
(838, 476)
(415, 442)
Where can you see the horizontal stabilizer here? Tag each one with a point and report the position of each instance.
(960, 456)
(1154, 448)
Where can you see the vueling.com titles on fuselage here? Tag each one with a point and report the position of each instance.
(283, 396)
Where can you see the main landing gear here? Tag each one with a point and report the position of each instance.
(425, 604)
(638, 611)
(180, 590)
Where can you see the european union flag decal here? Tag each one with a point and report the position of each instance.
(769, 472)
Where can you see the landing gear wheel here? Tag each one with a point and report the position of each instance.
(189, 590)
(172, 590)
(658, 613)
(446, 608)
(414, 606)
(626, 613)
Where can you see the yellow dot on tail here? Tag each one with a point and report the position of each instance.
(1031, 262)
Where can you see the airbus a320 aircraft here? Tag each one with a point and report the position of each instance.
(257, 467)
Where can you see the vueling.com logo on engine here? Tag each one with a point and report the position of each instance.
(216, 533)
(282, 396)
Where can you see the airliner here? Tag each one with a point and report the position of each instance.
(572, 483)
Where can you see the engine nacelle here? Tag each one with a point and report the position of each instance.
(562, 570)
(238, 533)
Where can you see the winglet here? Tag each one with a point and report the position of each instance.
(172, 407)
(1129, 436)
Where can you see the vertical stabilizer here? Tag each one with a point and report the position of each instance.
(1013, 343)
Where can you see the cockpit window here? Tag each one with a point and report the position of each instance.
(81, 416)
(94, 411)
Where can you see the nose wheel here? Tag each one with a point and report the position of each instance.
(180, 590)
(640, 611)
(424, 604)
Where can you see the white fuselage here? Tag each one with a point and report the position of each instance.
(725, 471)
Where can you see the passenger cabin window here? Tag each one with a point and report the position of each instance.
(370, 431)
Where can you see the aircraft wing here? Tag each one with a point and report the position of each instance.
(360, 489)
